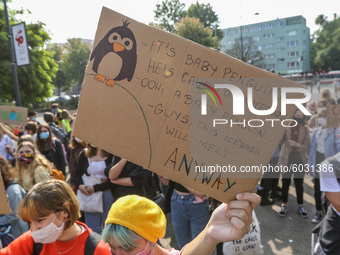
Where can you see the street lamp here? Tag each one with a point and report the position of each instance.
(241, 28)
(12, 58)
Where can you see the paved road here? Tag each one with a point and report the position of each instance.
(290, 234)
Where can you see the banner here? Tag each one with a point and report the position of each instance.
(13, 114)
(20, 44)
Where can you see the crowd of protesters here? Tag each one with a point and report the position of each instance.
(32, 153)
(35, 152)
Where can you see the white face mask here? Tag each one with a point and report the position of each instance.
(78, 140)
(322, 109)
(322, 121)
(49, 233)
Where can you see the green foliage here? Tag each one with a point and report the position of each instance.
(168, 13)
(75, 61)
(72, 59)
(193, 29)
(326, 48)
(207, 17)
(35, 80)
(199, 23)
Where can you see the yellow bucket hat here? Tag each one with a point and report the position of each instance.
(139, 214)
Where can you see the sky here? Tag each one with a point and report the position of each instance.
(79, 18)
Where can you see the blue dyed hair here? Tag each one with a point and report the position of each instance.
(125, 237)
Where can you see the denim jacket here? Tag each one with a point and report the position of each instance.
(332, 144)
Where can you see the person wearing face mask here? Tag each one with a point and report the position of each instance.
(32, 116)
(51, 147)
(294, 152)
(135, 223)
(31, 166)
(324, 143)
(52, 210)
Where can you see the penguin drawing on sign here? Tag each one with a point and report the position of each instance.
(115, 56)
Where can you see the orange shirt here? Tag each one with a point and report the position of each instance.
(23, 245)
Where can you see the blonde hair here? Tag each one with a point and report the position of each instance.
(7, 171)
(49, 197)
(38, 160)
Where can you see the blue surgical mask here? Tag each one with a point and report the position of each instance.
(34, 118)
(44, 135)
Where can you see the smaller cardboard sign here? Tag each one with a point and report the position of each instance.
(20, 44)
(4, 206)
(13, 115)
(333, 116)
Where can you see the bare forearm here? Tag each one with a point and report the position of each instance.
(201, 245)
(117, 169)
(334, 199)
(126, 181)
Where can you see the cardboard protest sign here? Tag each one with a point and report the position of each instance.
(13, 114)
(4, 206)
(333, 116)
(140, 100)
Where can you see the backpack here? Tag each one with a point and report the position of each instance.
(90, 246)
(64, 149)
(5, 235)
(58, 175)
(61, 135)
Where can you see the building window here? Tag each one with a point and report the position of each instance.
(268, 26)
(292, 43)
(268, 35)
(256, 38)
(269, 55)
(231, 32)
(280, 23)
(281, 49)
(292, 33)
(292, 53)
(268, 46)
(292, 64)
(279, 39)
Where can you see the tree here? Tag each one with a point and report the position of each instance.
(207, 17)
(74, 61)
(320, 20)
(246, 51)
(168, 13)
(193, 29)
(35, 80)
(326, 47)
(59, 80)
